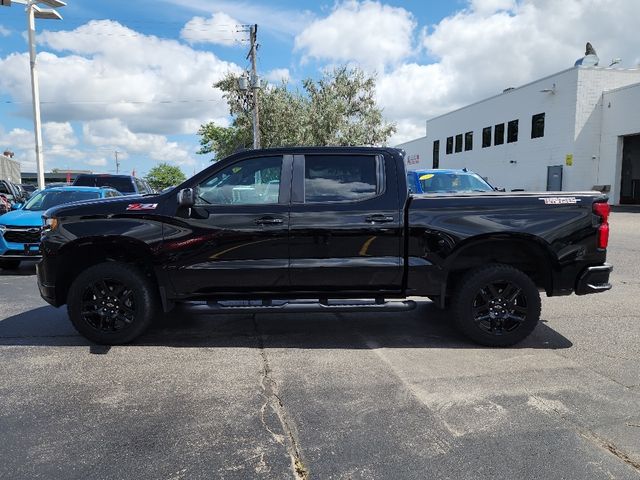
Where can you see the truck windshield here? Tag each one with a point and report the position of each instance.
(46, 199)
(122, 184)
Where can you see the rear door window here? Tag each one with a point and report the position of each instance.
(341, 178)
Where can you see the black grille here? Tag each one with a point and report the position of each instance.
(26, 235)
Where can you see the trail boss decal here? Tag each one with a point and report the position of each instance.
(142, 206)
(559, 200)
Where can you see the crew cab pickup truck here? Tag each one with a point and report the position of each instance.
(321, 228)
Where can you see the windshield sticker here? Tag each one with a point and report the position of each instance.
(142, 206)
(559, 200)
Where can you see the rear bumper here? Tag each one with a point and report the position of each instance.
(594, 279)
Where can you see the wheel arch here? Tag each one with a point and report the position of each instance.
(80, 254)
(527, 253)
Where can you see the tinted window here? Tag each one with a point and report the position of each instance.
(468, 141)
(537, 125)
(436, 153)
(47, 199)
(458, 143)
(251, 181)
(449, 145)
(512, 131)
(499, 134)
(122, 184)
(339, 178)
(486, 137)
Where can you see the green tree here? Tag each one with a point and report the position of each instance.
(338, 109)
(164, 175)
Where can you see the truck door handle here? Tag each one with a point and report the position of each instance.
(268, 221)
(379, 218)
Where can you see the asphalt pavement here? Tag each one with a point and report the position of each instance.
(326, 396)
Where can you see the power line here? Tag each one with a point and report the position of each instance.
(115, 102)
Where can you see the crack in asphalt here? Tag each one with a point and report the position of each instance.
(274, 401)
(591, 436)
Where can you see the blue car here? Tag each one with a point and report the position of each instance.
(20, 229)
(443, 180)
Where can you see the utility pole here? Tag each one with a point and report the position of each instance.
(117, 162)
(255, 85)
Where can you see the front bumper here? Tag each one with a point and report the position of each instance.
(594, 279)
(47, 291)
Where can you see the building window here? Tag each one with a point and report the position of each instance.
(458, 143)
(512, 131)
(498, 133)
(537, 125)
(449, 145)
(486, 137)
(436, 153)
(468, 141)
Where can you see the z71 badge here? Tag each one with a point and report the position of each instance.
(559, 200)
(142, 206)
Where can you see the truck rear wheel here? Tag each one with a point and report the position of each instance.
(112, 303)
(496, 305)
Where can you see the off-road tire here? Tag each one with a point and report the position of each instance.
(473, 293)
(139, 307)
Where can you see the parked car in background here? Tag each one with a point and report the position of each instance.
(29, 188)
(11, 191)
(5, 205)
(125, 184)
(446, 181)
(20, 229)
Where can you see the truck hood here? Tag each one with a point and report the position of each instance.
(22, 218)
(107, 206)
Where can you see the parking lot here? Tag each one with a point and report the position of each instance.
(386, 395)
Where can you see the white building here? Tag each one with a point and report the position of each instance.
(576, 130)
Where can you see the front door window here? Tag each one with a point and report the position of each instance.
(255, 181)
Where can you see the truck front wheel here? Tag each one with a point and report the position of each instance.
(112, 303)
(496, 305)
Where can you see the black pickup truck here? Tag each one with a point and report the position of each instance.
(325, 228)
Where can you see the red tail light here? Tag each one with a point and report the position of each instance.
(602, 209)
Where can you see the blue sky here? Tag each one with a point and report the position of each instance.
(136, 76)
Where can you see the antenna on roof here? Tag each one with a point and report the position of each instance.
(590, 58)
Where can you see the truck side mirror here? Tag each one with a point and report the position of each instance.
(187, 197)
(17, 206)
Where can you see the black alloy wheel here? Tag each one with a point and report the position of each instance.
(496, 305)
(500, 308)
(112, 303)
(108, 305)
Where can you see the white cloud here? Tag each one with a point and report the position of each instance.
(220, 29)
(278, 75)
(97, 162)
(368, 32)
(106, 70)
(61, 134)
(277, 20)
(4, 32)
(114, 134)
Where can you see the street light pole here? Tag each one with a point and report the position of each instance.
(35, 92)
(33, 12)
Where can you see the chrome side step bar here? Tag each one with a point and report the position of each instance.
(289, 306)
